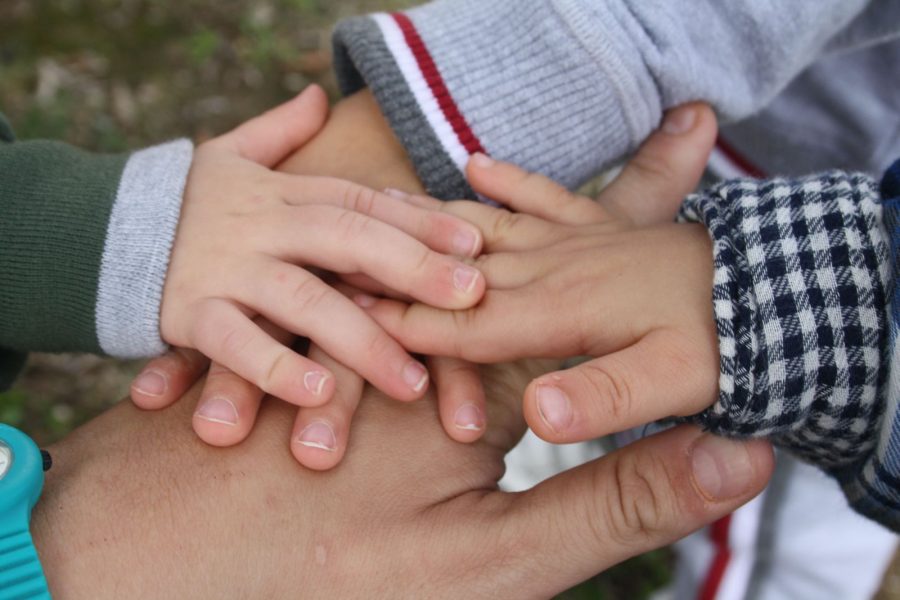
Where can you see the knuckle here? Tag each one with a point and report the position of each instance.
(351, 225)
(561, 197)
(639, 506)
(504, 223)
(652, 167)
(380, 344)
(465, 321)
(277, 366)
(308, 295)
(359, 199)
(234, 341)
(612, 390)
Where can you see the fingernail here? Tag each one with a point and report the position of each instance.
(465, 243)
(398, 194)
(468, 417)
(465, 278)
(365, 300)
(679, 121)
(415, 376)
(482, 160)
(218, 410)
(554, 407)
(722, 467)
(318, 434)
(314, 381)
(150, 383)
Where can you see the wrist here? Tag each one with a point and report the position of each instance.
(357, 144)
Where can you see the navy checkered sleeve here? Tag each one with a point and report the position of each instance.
(802, 275)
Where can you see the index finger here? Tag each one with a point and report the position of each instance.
(505, 326)
(503, 230)
(442, 232)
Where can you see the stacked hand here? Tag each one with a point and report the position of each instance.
(544, 300)
(239, 284)
(613, 279)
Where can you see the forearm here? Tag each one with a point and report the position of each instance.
(357, 144)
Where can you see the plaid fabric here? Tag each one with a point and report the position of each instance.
(874, 489)
(802, 276)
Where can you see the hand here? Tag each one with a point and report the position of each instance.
(578, 277)
(242, 229)
(355, 142)
(136, 507)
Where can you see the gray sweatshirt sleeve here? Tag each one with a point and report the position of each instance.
(566, 87)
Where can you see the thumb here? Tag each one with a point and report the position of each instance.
(270, 137)
(666, 168)
(639, 498)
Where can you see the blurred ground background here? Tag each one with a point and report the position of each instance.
(109, 75)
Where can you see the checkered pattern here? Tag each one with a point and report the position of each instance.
(874, 488)
(802, 275)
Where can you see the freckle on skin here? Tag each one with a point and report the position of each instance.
(321, 554)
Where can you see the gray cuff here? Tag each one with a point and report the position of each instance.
(136, 253)
(362, 58)
(546, 85)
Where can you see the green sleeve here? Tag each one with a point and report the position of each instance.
(55, 204)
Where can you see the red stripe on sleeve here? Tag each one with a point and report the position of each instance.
(741, 161)
(435, 81)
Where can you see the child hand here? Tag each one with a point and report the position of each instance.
(243, 231)
(577, 277)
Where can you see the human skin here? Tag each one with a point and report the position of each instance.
(137, 506)
(655, 180)
(248, 238)
(356, 144)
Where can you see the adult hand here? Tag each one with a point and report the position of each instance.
(136, 506)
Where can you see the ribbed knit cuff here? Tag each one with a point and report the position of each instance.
(799, 294)
(86, 242)
(138, 245)
(540, 84)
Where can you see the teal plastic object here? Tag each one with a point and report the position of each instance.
(21, 482)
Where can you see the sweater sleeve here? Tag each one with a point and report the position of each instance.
(565, 87)
(801, 300)
(86, 243)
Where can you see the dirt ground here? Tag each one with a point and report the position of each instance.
(110, 75)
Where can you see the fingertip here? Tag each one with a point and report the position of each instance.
(548, 411)
(415, 381)
(218, 434)
(479, 170)
(217, 422)
(467, 424)
(469, 285)
(317, 445)
(693, 118)
(728, 470)
(149, 390)
(319, 383)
